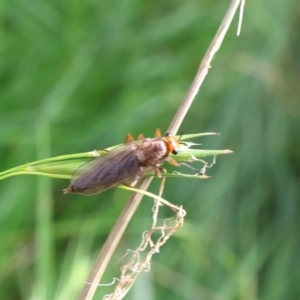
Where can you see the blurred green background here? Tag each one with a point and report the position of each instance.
(79, 75)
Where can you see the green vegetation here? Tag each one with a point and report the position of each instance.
(79, 75)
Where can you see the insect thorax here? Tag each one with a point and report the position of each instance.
(152, 151)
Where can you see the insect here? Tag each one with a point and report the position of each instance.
(125, 164)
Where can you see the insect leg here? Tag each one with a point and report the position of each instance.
(141, 137)
(157, 133)
(173, 162)
(157, 172)
(129, 138)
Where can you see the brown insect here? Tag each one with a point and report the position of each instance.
(125, 164)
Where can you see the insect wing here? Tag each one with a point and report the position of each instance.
(118, 166)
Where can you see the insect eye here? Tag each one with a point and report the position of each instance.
(168, 134)
(175, 151)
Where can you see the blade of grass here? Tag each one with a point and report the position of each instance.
(44, 234)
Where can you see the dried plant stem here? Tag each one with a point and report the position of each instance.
(140, 260)
(203, 68)
(111, 243)
(116, 233)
